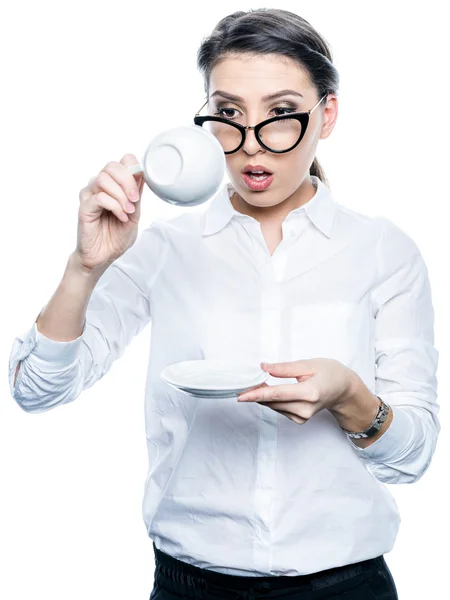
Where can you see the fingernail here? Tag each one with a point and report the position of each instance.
(134, 195)
(130, 207)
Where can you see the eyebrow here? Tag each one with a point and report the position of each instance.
(267, 98)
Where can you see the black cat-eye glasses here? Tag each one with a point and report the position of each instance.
(277, 134)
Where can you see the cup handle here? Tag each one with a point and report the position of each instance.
(135, 169)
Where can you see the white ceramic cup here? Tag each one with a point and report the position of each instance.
(184, 165)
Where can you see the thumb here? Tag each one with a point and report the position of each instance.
(140, 183)
(296, 368)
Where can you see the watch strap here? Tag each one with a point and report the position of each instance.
(375, 426)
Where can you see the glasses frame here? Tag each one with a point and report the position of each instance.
(303, 117)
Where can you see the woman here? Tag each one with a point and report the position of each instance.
(280, 494)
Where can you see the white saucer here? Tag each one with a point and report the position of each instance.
(213, 378)
(211, 394)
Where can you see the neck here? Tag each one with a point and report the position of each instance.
(275, 215)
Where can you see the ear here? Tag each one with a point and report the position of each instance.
(330, 114)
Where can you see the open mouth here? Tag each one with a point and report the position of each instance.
(258, 176)
(257, 181)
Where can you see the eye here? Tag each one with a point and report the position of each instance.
(221, 113)
(227, 113)
(283, 108)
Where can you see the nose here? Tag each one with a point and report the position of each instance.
(251, 144)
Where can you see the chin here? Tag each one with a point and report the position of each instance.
(270, 197)
(262, 199)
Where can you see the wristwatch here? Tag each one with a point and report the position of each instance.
(375, 426)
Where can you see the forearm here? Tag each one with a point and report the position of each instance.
(403, 448)
(63, 317)
(358, 410)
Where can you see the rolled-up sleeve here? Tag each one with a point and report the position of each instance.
(406, 360)
(52, 372)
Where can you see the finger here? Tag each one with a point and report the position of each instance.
(140, 182)
(105, 183)
(289, 391)
(103, 200)
(296, 368)
(257, 387)
(122, 175)
(302, 411)
(128, 160)
(293, 417)
(289, 415)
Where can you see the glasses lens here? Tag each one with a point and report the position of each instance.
(281, 134)
(230, 137)
(278, 135)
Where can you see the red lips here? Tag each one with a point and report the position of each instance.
(252, 168)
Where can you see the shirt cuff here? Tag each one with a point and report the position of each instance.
(46, 350)
(397, 437)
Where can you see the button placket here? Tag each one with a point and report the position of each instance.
(268, 423)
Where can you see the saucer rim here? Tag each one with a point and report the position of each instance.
(257, 380)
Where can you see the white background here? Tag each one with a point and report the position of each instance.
(83, 84)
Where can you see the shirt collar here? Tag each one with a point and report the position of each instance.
(321, 209)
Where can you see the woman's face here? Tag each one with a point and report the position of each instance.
(252, 78)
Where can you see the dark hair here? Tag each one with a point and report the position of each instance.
(269, 31)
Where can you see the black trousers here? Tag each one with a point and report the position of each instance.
(366, 580)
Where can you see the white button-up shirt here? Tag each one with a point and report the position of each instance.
(237, 487)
